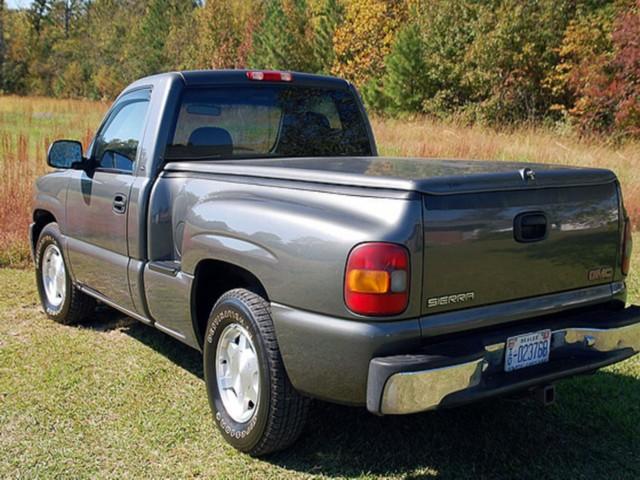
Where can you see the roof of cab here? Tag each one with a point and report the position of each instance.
(198, 78)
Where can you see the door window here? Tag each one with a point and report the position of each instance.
(116, 145)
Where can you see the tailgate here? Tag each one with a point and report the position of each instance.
(489, 247)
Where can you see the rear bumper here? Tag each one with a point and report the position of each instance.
(462, 370)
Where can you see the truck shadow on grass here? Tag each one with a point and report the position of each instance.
(107, 319)
(592, 432)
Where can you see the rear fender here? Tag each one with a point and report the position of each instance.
(296, 241)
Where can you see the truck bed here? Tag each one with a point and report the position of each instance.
(472, 253)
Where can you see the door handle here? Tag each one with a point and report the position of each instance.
(119, 203)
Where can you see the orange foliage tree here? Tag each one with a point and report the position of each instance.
(224, 34)
(363, 41)
(603, 73)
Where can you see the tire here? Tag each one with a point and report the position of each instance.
(278, 416)
(61, 300)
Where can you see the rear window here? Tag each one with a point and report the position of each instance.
(267, 121)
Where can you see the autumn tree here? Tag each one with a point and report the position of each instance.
(18, 39)
(608, 88)
(514, 50)
(364, 39)
(224, 34)
(586, 45)
(626, 65)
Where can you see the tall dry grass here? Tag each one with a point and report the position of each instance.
(28, 125)
(427, 138)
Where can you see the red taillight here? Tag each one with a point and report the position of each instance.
(269, 76)
(376, 280)
(627, 247)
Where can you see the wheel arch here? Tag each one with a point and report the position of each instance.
(212, 278)
(41, 218)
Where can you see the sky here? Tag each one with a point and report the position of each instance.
(17, 3)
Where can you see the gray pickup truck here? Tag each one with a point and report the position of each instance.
(247, 214)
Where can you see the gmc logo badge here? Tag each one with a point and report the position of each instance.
(602, 273)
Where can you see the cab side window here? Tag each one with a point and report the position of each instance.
(116, 145)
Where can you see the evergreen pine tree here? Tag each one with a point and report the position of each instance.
(148, 46)
(147, 51)
(268, 42)
(328, 18)
(281, 42)
(404, 83)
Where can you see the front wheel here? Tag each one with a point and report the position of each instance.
(255, 407)
(60, 299)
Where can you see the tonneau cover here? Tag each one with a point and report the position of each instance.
(429, 176)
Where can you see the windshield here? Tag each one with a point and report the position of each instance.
(268, 121)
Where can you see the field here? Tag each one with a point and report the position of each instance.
(27, 127)
(117, 399)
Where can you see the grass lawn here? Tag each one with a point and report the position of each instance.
(119, 399)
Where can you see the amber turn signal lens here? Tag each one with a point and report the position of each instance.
(368, 281)
(376, 279)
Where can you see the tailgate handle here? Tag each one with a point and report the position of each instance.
(530, 227)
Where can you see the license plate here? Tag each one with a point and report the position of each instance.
(527, 350)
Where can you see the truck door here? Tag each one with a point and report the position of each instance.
(98, 201)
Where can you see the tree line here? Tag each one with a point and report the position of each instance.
(565, 62)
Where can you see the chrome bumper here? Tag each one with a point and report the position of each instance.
(416, 390)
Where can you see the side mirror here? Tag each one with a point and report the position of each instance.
(65, 154)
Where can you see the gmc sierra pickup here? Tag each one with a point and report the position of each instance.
(247, 214)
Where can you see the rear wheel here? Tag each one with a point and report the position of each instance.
(61, 300)
(256, 408)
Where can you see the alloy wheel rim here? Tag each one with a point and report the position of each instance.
(54, 275)
(237, 373)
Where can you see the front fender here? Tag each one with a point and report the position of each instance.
(50, 195)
